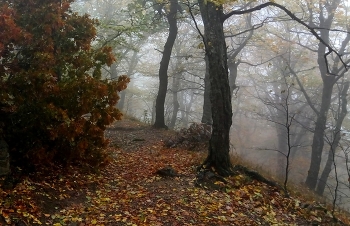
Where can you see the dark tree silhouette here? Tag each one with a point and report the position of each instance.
(220, 96)
(164, 65)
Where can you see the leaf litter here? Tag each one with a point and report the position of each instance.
(129, 192)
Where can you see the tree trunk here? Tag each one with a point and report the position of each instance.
(337, 136)
(188, 107)
(114, 77)
(318, 140)
(232, 60)
(233, 66)
(282, 149)
(164, 64)
(215, 47)
(121, 102)
(131, 67)
(206, 117)
(328, 82)
(153, 111)
(176, 105)
(182, 109)
(114, 73)
(300, 135)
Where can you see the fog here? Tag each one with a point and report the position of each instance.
(274, 64)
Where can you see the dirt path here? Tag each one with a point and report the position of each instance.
(131, 135)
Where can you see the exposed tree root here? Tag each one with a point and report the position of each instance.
(256, 176)
(208, 179)
(224, 170)
(207, 176)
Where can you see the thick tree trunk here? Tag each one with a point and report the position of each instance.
(206, 117)
(220, 96)
(337, 136)
(164, 64)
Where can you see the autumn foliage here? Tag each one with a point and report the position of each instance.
(54, 104)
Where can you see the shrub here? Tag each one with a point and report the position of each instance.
(50, 78)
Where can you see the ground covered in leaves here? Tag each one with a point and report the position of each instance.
(129, 191)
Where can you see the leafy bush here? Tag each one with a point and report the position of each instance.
(50, 80)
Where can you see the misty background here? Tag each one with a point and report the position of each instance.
(274, 75)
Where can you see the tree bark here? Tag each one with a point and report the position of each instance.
(215, 47)
(164, 65)
(206, 117)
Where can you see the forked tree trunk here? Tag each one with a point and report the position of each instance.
(318, 140)
(336, 139)
(215, 47)
(164, 65)
(328, 82)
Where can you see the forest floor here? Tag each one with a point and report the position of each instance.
(128, 191)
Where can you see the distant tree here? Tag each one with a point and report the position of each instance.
(339, 116)
(54, 104)
(325, 13)
(164, 64)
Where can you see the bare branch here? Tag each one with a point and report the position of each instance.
(254, 27)
(194, 20)
(308, 99)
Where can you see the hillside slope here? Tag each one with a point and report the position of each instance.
(129, 191)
